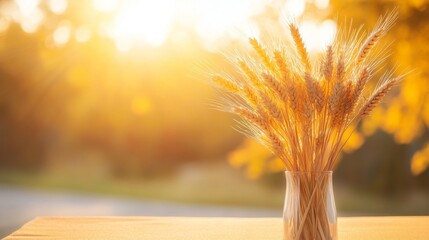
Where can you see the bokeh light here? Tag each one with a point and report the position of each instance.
(147, 22)
(62, 33)
(58, 6)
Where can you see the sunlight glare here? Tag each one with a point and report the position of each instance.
(105, 5)
(27, 6)
(295, 8)
(62, 34)
(31, 21)
(216, 20)
(216, 23)
(143, 21)
(28, 14)
(58, 6)
(317, 36)
(134, 23)
(322, 4)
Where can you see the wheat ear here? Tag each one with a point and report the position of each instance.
(225, 84)
(360, 84)
(250, 96)
(270, 106)
(251, 76)
(281, 65)
(369, 44)
(383, 25)
(377, 96)
(341, 68)
(275, 85)
(328, 64)
(300, 46)
(262, 54)
(315, 92)
(334, 101)
(251, 117)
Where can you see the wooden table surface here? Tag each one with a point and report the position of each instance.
(163, 228)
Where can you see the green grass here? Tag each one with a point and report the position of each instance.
(219, 186)
(214, 184)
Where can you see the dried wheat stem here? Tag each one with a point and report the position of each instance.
(250, 95)
(334, 102)
(292, 97)
(361, 82)
(347, 101)
(271, 107)
(358, 88)
(281, 65)
(252, 77)
(225, 84)
(341, 68)
(311, 89)
(319, 101)
(328, 64)
(274, 85)
(262, 54)
(377, 96)
(300, 46)
(251, 117)
(276, 144)
(369, 44)
(314, 91)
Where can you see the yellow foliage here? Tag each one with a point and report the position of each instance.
(370, 125)
(355, 141)
(420, 161)
(410, 129)
(411, 94)
(275, 165)
(393, 117)
(255, 159)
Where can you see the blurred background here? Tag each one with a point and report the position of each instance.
(103, 110)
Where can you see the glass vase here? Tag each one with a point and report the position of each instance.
(309, 208)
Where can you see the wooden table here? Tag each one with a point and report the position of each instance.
(163, 228)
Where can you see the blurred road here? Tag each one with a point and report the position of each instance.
(20, 205)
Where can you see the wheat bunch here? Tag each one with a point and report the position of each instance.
(300, 110)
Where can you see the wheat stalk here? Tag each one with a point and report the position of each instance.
(225, 84)
(275, 86)
(262, 54)
(281, 65)
(328, 64)
(300, 45)
(303, 104)
(301, 112)
(377, 96)
(383, 25)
